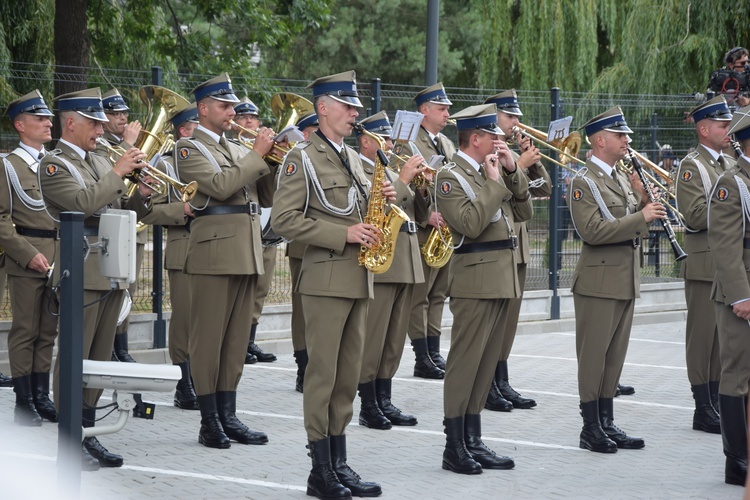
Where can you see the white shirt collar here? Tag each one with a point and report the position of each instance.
(714, 154)
(469, 159)
(33, 152)
(212, 135)
(80, 152)
(366, 160)
(600, 163)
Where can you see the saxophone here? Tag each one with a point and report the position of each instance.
(378, 258)
(438, 248)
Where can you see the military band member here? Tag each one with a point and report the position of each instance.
(320, 202)
(729, 240)
(307, 124)
(502, 396)
(428, 298)
(247, 117)
(388, 313)
(72, 178)
(481, 196)
(697, 174)
(611, 217)
(28, 238)
(224, 258)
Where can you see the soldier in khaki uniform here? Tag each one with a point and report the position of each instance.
(28, 238)
(729, 240)
(224, 257)
(502, 396)
(481, 194)
(320, 202)
(388, 313)
(428, 298)
(611, 219)
(73, 178)
(695, 179)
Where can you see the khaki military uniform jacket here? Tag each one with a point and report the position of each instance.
(227, 243)
(728, 228)
(169, 211)
(102, 189)
(692, 203)
(427, 149)
(407, 261)
(490, 274)
(19, 250)
(536, 171)
(330, 265)
(609, 264)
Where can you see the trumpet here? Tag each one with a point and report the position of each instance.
(163, 181)
(246, 137)
(400, 157)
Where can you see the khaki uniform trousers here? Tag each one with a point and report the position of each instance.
(221, 307)
(179, 323)
(387, 320)
(133, 289)
(334, 334)
(602, 335)
(476, 338)
(100, 313)
(264, 280)
(427, 302)
(734, 340)
(34, 329)
(298, 317)
(514, 311)
(701, 334)
(3, 277)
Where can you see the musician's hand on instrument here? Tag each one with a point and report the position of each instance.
(654, 210)
(388, 191)
(505, 157)
(523, 141)
(38, 263)
(264, 142)
(132, 129)
(637, 185)
(529, 157)
(411, 169)
(132, 159)
(189, 210)
(363, 234)
(491, 168)
(146, 185)
(436, 220)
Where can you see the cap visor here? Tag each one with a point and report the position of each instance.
(98, 116)
(119, 107)
(225, 97)
(493, 130)
(441, 100)
(40, 112)
(352, 101)
(617, 130)
(512, 111)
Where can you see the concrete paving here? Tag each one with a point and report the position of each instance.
(164, 460)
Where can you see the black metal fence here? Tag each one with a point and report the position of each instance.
(655, 120)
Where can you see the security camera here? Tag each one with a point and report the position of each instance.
(129, 377)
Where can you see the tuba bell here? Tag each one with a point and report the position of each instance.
(288, 108)
(156, 135)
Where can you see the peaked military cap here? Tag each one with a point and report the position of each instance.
(246, 107)
(113, 101)
(342, 87)
(86, 103)
(713, 109)
(31, 103)
(377, 124)
(481, 116)
(507, 102)
(740, 125)
(612, 121)
(218, 87)
(434, 94)
(309, 120)
(187, 114)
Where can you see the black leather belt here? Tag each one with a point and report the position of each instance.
(408, 227)
(250, 208)
(91, 230)
(36, 233)
(746, 243)
(634, 243)
(487, 246)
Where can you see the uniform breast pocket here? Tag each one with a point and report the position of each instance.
(30, 186)
(210, 241)
(336, 189)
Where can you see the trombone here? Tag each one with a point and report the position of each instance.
(568, 148)
(401, 157)
(276, 154)
(163, 181)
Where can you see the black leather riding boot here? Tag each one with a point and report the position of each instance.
(184, 394)
(252, 348)
(592, 435)
(456, 457)
(487, 458)
(705, 417)
(607, 417)
(510, 394)
(496, 401)
(734, 437)
(713, 390)
(44, 406)
(300, 357)
(433, 347)
(94, 447)
(121, 348)
(346, 475)
(323, 481)
(424, 366)
(233, 427)
(370, 414)
(392, 413)
(211, 433)
(25, 412)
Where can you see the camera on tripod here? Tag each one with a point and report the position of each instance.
(730, 83)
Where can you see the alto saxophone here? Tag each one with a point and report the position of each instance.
(379, 257)
(438, 248)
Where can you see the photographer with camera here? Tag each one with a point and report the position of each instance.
(733, 80)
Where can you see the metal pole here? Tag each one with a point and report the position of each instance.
(375, 98)
(431, 52)
(70, 354)
(654, 139)
(157, 290)
(555, 213)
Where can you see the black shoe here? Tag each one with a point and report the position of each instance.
(370, 414)
(346, 475)
(121, 348)
(5, 381)
(211, 433)
(99, 452)
(323, 481)
(624, 390)
(734, 438)
(300, 357)
(496, 401)
(184, 394)
(250, 359)
(507, 392)
(606, 418)
(392, 413)
(592, 436)
(88, 463)
(424, 366)
(44, 406)
(479, 451)
(25, 412)
(433, 347)
(705, 417)
(252, 348)
(233, 427)
(456, 458)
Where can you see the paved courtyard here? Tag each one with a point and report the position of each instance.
(164, 460)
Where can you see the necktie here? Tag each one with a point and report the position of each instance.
(223, 143)
(437, 146)
(721, 161)
(41, 155)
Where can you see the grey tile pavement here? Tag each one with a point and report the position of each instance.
(164, 460)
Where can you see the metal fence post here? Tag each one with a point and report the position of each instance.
(157, 290)
(70, 354)
(375, 97)
(554, 217)
(654, 138)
